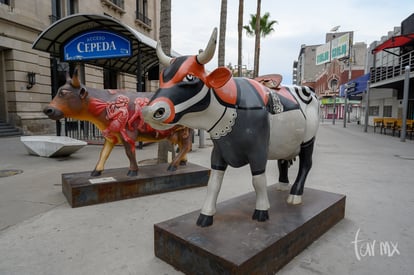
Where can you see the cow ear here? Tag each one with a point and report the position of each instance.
(83, 93)
(218, 77)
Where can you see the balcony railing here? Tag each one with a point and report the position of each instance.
(393, 69)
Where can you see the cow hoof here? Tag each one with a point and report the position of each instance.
(204, 220)
(282, 186)
(132, 173)
(294, 199)
(172, 168)
(260, 215)
(96, 173)
(183, 162)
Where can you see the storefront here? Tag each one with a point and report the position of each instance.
(95, 43)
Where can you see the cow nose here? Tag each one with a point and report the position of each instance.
(49, 111)
(53, 113)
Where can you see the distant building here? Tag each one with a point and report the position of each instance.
(326, 75)
(305, 69)
(387, 60)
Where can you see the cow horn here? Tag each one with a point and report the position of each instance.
(75, 79)
(68, 79)
(164, 59)
(208, 53)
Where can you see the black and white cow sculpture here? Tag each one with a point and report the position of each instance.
(247, 122)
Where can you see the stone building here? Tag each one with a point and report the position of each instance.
(21, 22)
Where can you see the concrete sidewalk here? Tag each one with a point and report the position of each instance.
(41, 234)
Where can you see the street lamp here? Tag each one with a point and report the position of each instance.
(334, 84)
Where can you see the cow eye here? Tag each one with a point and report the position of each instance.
(189, 78)
(63, 92)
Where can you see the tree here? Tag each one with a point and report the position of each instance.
(165, 26)
(222, 37)
(240, 39)
(264, 29)
(257, 40)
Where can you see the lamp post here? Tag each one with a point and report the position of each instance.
(334, 84)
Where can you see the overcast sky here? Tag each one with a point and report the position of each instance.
(299, 22)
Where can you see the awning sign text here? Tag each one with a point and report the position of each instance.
(96, 45)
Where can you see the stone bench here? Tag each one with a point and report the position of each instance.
(51, 146)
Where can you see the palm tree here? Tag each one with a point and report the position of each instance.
(264, 29)
(257, 40)
(165, 26)
(222, 37)
(240, 34)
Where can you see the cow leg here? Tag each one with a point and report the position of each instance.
(184, 141)
(209, 208)
(103, 156)
(186, 145)
(261, 213)
(305, 164)
(283, 183)
(130, 152)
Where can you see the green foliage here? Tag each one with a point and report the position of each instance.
(266, 25)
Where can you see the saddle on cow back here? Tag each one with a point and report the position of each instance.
(280, 100)
(271, 81)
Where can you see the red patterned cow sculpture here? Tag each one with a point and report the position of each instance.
(117, 113)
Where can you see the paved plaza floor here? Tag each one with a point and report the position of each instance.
(41, 234)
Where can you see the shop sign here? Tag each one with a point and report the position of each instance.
(96, 45)
(340, 47)
(323, 54)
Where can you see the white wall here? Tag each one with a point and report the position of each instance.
(381, 97)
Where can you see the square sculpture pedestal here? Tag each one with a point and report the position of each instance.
(236, 244)
(80, 189)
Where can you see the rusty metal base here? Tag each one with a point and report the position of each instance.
(80, 189)
(235, 244)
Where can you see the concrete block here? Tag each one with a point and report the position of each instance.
(236, 244)
(51, 146)
(81, 189)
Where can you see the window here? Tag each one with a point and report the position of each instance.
(56, 11)
(119, 3)
(63, 8)
(142, 12)
(5, 2)
(387, 111)
(373, 110)
(72, 6)
(116, 5)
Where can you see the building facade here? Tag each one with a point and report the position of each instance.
(305, 69)
(387, 61)
(21, 102)
(327, 78)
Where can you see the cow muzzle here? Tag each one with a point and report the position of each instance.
(159, 115)
(53, 113)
